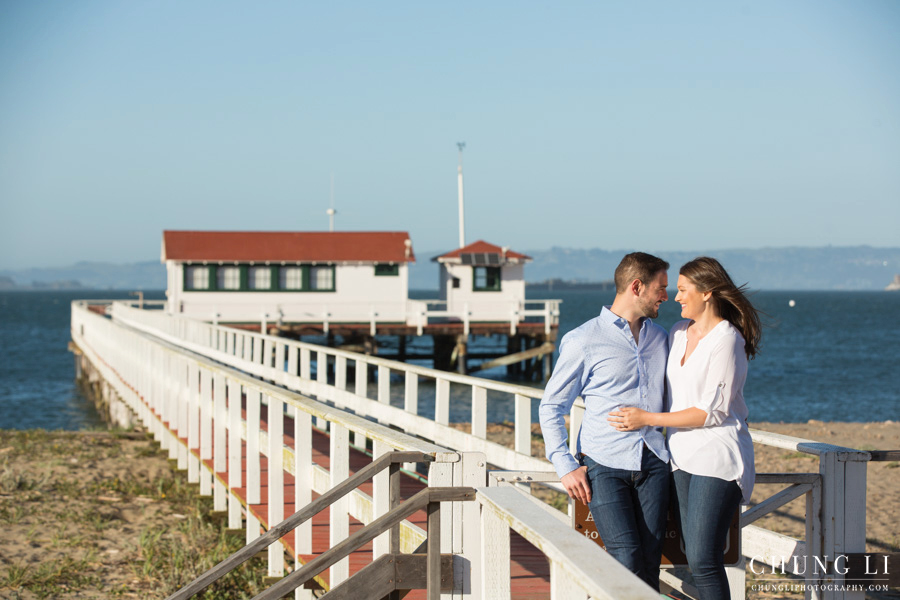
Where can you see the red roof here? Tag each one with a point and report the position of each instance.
(294, 246)
(482, 247)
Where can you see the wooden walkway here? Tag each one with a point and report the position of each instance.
(530, 569)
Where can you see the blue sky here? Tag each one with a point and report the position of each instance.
(654, 125)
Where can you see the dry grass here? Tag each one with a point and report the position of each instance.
(102, 515)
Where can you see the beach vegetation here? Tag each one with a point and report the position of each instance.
(100, 515)
(795, 455)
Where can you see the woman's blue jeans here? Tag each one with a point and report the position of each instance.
(706, 506)
(629, 509)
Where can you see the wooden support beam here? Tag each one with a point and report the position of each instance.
(509, 359)
(389, 573)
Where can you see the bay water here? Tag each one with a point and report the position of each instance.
(830, 356)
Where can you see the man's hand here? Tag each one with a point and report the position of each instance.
(577, 485)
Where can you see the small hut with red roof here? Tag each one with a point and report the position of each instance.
(487, 279)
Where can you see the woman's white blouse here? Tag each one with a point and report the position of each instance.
(711, 379)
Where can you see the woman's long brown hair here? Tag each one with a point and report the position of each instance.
(730, 301)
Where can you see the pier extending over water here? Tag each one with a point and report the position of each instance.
(265, 429)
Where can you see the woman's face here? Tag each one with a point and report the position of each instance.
(692, 302)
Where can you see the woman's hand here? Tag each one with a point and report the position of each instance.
(628, 418)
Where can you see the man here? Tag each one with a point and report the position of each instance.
(617, 359)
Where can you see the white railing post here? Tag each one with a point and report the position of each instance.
(339, 525)
(322, 390)
(253, 462)
(279, 364)
(384, 387)
(442, 401)
(495, 555)
(479, 412)
(184, 403)
(176, 392)
(470, 471)
(220, 450)
(293, 354)
(844, 514)
(814, 534)
(381, 499)
(305, 370)
(340, 376)
(193, 441)
(276, 480)
(206, 433)
(410, 402)
(257, 350)
(235, 467)
(523, 424)
(303, 486)
(361, 387)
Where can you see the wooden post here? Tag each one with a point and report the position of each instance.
(461, 351)
(401, 348)
(443, 349)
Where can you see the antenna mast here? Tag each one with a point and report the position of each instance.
(462, 210)
(331, 212)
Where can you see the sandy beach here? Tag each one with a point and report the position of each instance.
(105, 515)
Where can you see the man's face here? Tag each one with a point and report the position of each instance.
(653, 294)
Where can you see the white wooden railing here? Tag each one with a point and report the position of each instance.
(295, 365)
(290, 372)
(192, 406)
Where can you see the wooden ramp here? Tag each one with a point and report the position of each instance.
(530, 569)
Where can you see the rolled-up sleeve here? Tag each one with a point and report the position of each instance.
(725, 379)
(564, 386)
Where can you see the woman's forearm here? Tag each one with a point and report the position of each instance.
(689, 417)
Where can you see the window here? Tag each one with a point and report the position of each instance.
(321, 278)
(455, 282)
(196, 277)
(260, 278)
(228, 278)
(486, 279)
(386, 270)
(290, 278)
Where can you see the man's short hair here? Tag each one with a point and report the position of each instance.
(638, 265)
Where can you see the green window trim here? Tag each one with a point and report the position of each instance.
(387, 270)
(490, 277)
(274, 278)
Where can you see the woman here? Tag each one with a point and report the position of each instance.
(710, 446)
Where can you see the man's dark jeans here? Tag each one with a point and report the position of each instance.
(630, 509)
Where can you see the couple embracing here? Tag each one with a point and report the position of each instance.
(636, 380)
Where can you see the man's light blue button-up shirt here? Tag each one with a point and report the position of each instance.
(601, 362)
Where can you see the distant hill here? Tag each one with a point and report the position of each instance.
(792, 268)
(150, 275)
